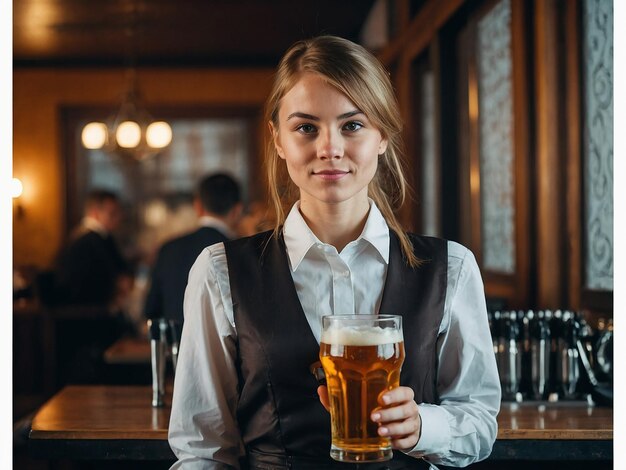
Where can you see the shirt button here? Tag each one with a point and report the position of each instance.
(346, 274)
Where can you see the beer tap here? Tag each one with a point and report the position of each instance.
(510, 358)
(568, 350)
(173, 342)
(158, 349)
(540, 355)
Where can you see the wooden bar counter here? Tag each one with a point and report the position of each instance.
(118, 422)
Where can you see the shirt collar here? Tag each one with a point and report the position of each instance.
(299, 238)
(214, 222)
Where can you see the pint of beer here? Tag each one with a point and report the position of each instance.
(361, 356)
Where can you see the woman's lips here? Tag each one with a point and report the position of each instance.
(331, 174)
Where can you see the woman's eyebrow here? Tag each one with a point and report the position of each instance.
(315, 118)
(303, 116)
(349, 114)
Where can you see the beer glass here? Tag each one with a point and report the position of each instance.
(361, 356)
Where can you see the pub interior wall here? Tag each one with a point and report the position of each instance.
(38, 97)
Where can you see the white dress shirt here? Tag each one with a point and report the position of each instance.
(203, 430)
(217, 224)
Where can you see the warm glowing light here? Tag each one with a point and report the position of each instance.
(94, 135)
(128, 134)
(159, 134)
(17, 188)
(155, 214)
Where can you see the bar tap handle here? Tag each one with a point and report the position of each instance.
(158, 343)
(569, 355)
(510, 358)
(540, 356)
(173, 335)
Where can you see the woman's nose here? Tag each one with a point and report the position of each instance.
(329, 145)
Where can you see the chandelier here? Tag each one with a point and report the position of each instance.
(131, 132)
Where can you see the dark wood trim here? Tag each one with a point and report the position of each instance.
(402, 12)
(548, 166)
(521, 152)
(535, 450)
(414, 142)
(434, 56)
(465, 199)
(475, 209)
(403, 86)
(530, 450)
(427, 62)
(573, 142)
(102, 449)
(449, 122)
(415, 38)
(597, 301)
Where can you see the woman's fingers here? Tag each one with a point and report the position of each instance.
(396, 395)
(399, 419)
(402, 428)
(322, 391)
(400, 412)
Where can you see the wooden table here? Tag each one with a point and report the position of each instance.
(118, 422)
(102, 422)
(554, 431)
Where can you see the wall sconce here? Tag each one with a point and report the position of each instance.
(17, 188)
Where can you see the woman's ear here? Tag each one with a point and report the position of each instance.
(382, 147)
(275, 139)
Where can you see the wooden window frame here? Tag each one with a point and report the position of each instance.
(512, 289)
(70, 116)
(579, 297)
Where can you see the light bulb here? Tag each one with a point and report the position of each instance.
(128, 134)
(94, 135)
(159, 134)
(16, 188)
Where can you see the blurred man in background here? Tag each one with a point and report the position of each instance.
(218, 205)
(91, 269)
(91, 283)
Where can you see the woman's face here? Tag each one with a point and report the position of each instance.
(330, 147)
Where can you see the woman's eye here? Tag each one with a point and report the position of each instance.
(352, 126)
(306, 128)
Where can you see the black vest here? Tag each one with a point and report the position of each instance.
(281, 419)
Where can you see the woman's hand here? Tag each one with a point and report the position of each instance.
(398, 417)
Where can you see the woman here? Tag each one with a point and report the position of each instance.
(243, 394)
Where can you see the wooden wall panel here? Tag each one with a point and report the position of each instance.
(548, 171)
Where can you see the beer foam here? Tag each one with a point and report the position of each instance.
(360, 336)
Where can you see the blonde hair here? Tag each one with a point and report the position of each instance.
(361, 77)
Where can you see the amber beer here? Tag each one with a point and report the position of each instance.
(361, 356)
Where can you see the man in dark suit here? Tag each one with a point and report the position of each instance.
(91, 270)
(92, 280)
(218, 205)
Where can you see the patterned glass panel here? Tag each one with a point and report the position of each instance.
(494, 66)
(598, 155)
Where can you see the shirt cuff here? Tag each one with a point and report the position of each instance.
(435, 433)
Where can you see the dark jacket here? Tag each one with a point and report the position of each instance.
(88, 269)
(171, 270)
